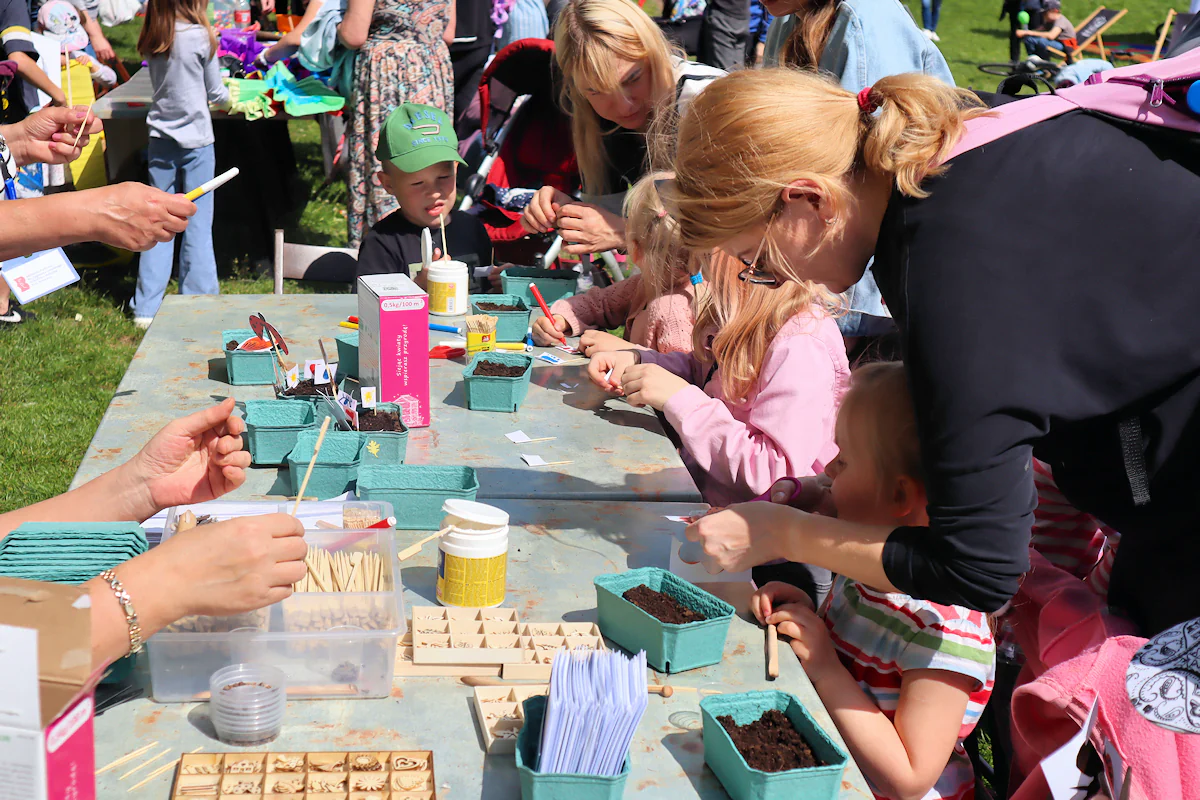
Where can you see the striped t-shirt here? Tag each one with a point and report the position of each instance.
(881, 635)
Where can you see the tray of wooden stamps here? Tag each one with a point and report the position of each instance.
(402, 775)
(501, 715)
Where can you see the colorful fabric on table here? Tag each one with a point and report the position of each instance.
(880, 635)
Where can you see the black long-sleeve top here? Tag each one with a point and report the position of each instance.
(1047, 291)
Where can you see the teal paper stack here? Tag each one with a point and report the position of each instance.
(69, 552)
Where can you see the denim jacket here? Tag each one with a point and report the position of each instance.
(871, 39)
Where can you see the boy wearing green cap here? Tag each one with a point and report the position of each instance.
(419, 153)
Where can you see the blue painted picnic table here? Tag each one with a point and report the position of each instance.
(617, 452)
(556, 548)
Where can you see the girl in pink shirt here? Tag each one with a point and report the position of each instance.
(757, 398)
(654, 305)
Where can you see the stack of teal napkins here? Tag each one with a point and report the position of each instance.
(69, 552)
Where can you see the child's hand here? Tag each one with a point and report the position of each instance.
(593, 342)
(617, 363)
(777, 594)
(495, 279)
(541, 215)
(810, 639)
(548, 332)
(651, 385)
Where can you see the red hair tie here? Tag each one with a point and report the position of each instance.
(865, 103)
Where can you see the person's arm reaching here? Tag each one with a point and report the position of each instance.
(28, 69)
(599, 308)
(290, 41)
(218, 93)
(104, 50)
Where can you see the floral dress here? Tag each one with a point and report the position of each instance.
(404, 60)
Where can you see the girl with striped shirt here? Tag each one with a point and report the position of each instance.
(904, 679)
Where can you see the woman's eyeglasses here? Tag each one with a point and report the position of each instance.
(754, 272)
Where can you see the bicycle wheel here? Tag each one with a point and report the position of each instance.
(1002, 70)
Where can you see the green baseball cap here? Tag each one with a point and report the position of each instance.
(416, 136)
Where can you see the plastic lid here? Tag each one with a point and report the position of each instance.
(471, 511)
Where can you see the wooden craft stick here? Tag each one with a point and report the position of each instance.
(126, 758)
(415, 548)
(555, 463)
(311, 463)
(473, 680)
(164, 768)
(445, 250)
(542, 439)
(144, 764)
(86, 118)
(321, 344)
(772, 652)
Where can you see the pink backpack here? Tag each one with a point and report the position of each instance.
(1152, 94)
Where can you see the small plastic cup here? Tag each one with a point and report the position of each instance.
(247, 703)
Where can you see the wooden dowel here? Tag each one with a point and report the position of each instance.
(415, 548)
(144, 764)
(772, 652)
(312, 463)
(126, 758)
(168, 766)
(473, 680)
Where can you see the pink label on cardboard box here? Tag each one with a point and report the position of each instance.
(70, 754)
(404, 354)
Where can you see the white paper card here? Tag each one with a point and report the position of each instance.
(533, 461)
(1061, 768)
(332, 371)
(19, 699)
(310, 368)
(31, 277)
(517, 437)
(293, 377)
(566, 348)
(368, 396)
(481, 272)
(550, 359)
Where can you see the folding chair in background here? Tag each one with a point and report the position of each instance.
(1090, 33)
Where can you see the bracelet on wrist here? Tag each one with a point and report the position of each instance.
(131, 618)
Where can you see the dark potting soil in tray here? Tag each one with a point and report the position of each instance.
(492, 369)
(771, 743)
(232, 344)
(307, 388)
(661, 606)
(371, 420)
(497, 307)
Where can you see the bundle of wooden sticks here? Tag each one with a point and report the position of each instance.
(341, 572)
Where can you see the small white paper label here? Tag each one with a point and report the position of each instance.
(310, 368)
(20, 703)
(321, 376)
(566, 348)
(550, 359)
(293, 377)
(347, 402)
(517, 437)
(368, 396)
(533, 461)
(31, 277)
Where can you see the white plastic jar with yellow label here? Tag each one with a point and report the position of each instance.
(447, 285)
(473, 556)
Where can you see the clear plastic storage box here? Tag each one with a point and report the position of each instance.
(329, 644)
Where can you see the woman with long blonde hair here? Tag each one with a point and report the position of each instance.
(619, 75)
(1084, 354)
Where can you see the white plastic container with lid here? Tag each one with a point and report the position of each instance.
(448, 282)
(473, 556)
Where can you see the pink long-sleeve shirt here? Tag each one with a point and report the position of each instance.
(664, 324)
(784, 428)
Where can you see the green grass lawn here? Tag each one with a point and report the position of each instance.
(58, 374)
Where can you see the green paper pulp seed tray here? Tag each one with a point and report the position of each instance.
(384, 447)
(417, 492)
(511, 326)
(493, 393)
(740, 780)
(336, 466)
(548, 786)
(669, 648)
(554, 284)
(273, 426)
(247, 369)
(347, 348)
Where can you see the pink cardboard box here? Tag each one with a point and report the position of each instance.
(47, 746)
(393, 344)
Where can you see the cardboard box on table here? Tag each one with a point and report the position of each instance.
(393, 344)
(46, 697)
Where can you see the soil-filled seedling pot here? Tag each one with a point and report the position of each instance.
(248, 368)
(511, 326)
(336, 467)
(554, 284)
(273, 426)
(493, 393)
(347, 348)
(417, 492)
(742, 781)
(549, 786)
(669, 648)
(383, 447)
(321, 409)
